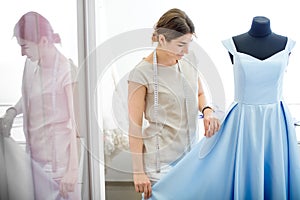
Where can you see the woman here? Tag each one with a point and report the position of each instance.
(165, 89)
(48, 109)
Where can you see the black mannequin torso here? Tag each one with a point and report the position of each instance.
(259, 41)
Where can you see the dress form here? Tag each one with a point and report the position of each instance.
(259, 42)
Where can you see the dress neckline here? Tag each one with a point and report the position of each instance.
(253, 57)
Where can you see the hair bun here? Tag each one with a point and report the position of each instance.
(56, 38)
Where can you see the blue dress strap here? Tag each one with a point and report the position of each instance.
(229, 45)
(290, 45)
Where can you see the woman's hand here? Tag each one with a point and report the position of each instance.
(142, 184)
(211, 123)
(68, 183)
(7, 121)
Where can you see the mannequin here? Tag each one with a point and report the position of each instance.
(259, 42)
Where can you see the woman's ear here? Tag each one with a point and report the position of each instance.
(44, 41)
(161, 39)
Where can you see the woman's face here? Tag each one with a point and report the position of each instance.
(29, 49)
(179, 46)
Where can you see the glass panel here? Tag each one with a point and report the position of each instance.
(62, 16)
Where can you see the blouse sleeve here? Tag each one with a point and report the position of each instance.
(138, 76)
(70, 74)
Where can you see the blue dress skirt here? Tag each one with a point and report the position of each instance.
(255, 154)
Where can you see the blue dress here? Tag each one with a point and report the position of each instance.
(255, 153)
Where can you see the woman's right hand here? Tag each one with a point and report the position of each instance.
(142, 184)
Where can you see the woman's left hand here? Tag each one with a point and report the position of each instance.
(211, 123)
(68, 183)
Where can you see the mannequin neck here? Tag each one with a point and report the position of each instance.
(260, 27)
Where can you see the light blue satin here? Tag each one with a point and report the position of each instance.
(255, 154)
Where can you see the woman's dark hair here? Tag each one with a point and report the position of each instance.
(173, 24)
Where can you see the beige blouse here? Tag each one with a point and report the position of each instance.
(172, 126)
